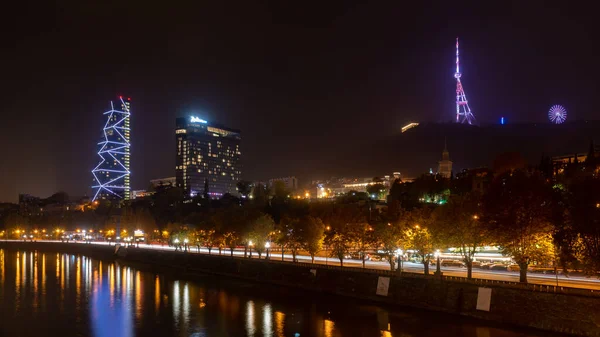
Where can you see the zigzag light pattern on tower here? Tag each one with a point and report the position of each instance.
(112, 174)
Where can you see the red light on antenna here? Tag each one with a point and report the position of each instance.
(120, 97)
(129, 98)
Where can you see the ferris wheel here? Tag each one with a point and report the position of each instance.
(557, 114)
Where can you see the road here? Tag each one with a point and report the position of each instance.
(534, 278)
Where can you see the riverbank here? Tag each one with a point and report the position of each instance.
(564, 310)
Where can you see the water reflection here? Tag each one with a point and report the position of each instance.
(103, 299)
(267, 320)
(279, 323)
(250, 327)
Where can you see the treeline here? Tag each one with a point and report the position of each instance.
(537, 216)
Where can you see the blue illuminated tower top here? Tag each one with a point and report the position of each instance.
(112, 174)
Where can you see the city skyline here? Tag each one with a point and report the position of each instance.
(297, 81)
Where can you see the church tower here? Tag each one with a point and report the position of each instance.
(445, 165)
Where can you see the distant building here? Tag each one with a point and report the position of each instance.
(170, 181)
(561, 163)
(339, 186)
(140, 194)
(409, 126)
(291, 183)
(206, 153)
(445, 165)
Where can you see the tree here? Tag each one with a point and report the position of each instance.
(260, 194)
(581, 237)
(340, 246)
(458, 224)
(244, 187)
(144, 221)
(507, 162)
(313, 234)
(377, 191)
(361, 235)
(16, 224)
(591, 161)
(260, 232)
(280, 191)
(518, 209)
(417, 235)
(206, 191)
(287, 236)
(388, 237)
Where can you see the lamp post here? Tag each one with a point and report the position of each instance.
(267, 246)
(327, 247)
(399, 253)
(438, 270)
(185, 244)
(250, 247)
(176, 242)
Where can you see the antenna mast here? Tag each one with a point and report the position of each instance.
(463, 112)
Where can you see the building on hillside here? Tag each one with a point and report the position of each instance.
(206, 154)
(291, 183)
(445, 165)
(340, 186)
(112, 174)
(141, 194)
(170, 181)
(581, 160)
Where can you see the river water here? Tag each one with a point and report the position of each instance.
(53, 294)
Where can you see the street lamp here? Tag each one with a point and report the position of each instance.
(250, 246)
(437, 265)
(399, 253)
(185, 244)
(267, 246)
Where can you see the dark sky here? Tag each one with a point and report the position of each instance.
(304, 81)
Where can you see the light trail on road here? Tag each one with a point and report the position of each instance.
(410, 267)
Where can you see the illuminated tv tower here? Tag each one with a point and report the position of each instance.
(463, 112)
(111, 175)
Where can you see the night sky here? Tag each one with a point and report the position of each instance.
(304, 81)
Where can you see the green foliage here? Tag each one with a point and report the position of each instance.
(244, 187)
(260, 232)
(377, 190)
(579, 235)
(518, 211)
(340, 246)
(313, 234)
(389, 238)
(458, 224)
(416, 224)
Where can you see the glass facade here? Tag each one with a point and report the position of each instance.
(206, 153)
(112, 174)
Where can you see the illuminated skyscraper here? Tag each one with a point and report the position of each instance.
(206, 153)
(111, 175)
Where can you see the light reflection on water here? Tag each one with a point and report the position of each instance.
(87, 297)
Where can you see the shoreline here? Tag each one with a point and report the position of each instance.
(520, 307)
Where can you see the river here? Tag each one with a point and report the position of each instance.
(54, 294)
